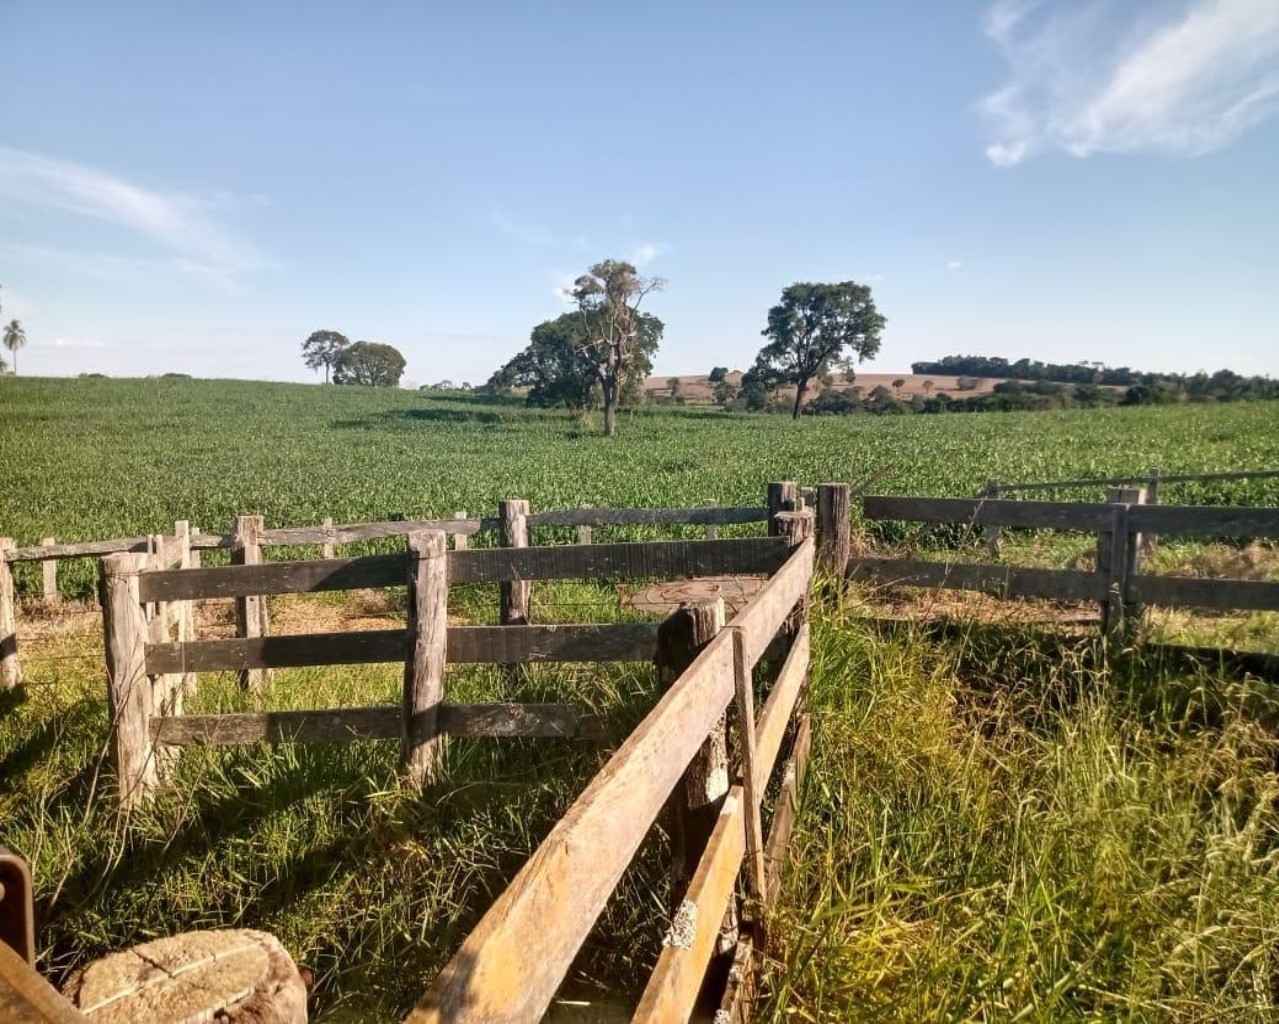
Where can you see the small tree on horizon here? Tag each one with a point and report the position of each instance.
(898, 384)
(812, 329)
(370, 363)
(322, 348)
(14, 338)
(717, 374)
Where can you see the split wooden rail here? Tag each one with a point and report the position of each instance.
(1117, 584)
(511, 965)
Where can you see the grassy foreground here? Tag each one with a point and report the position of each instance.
(996, 827)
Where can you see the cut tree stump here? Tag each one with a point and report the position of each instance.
(238, 976)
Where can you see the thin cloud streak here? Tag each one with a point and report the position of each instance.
(182, 225)
(1111, 77)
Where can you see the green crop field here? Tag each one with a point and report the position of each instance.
(998, 824)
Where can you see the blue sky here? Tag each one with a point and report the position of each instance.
(197, 187)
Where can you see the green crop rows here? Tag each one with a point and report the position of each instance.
(91, 459)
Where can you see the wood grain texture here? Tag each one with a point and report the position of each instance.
(10, 668)
(80, 549)
(555, 899)
(515, 592)
(500, 645)
(348, 725)
(129, 688)
(1032, 515)
(426, 640)
(752, 793)
(999, 580)
(782, 496)
(26, 998)
(49, 574)
(770, 728)
(709, 516)
(1204, 521)
(767, 612)
(671, 992)
(834, 509)
(251, 616)
(1193, 592)
(746, 556)
(346, 533)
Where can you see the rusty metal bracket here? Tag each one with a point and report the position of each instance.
(17, 906)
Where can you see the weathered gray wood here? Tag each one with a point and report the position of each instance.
(82, 549)
(194, 560)
(347, 533)
(783, 699)
(834, 508)
(768, 611)
(10, 670)
(351, 725)
(1115, 481)
(783, 496)
(1112, 565)
(695, 803)
(752, 793)
(129, 687)
(777, 846)
(1193, 592)
(500, 645)
(251, 615)
(745, 557)
(330, 536)
(460, 540)
(706, 516)
(1133, 543)
(185, 609)
(1031, 515)
(991, 490)
(999, 580)
(26, 998)
(585, 532)
(515, 593)
(49, 574)
(276, 578)
(556, 897)
(1206, 521)
(712, 531)
(422, 744)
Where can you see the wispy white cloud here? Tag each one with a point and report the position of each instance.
(67, 343)
(183, 226)
(954, 264)
(647, 252)
(1119, 76)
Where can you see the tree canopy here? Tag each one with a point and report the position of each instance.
(322, 349)
(557, 367)
(14, 338)
(813, 328)
(613, 330)
(369, 362)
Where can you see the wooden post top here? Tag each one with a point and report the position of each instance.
(124, 563)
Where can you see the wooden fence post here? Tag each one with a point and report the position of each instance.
(195, 558)
(49, 572)
(512, 513)
(423, 745)
(251, 614)
(712, 531)
(460, 539)
(745, 704)
(783, 496)
(833, 508)
(991, 490)
(695, 802)
(326, 551)
(186, 609)
(1112, 563)
(1150, 541)
(1133, 547)
(129, 689)
(10, 670)
(585, 534)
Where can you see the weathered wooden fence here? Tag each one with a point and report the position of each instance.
(511, 965)
(1117, 584)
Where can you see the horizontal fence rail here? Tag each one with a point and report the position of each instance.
(1151, 477)
(1000, 580)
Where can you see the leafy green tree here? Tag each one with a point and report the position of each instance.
(755, 394)
(322, 348)
(14, 338)
(613, 331)
(557, 367)
(813, 328)
(718, 374)
(370, 363)
(725, 393)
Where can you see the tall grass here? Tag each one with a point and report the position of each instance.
(998, 827)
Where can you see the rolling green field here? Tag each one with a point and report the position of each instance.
(998, 825)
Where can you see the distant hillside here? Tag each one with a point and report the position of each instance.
(697, 388)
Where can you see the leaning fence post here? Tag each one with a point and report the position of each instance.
(992, 490)
(251, 615)
(783, 496)
(512, 513)
(745, 704)
(695, 802)
(129, 688)
(833, 504)
(49, 572)
(10, 670)
(422, 746)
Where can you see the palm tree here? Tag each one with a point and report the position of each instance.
(14, 338)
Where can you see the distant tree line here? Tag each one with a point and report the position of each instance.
(1144, 388)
